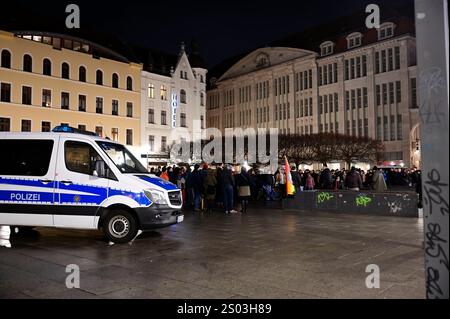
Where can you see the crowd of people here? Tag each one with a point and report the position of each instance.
(205, 188)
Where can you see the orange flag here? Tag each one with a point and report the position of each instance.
(290, 189)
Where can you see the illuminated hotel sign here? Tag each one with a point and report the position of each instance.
(174, 109)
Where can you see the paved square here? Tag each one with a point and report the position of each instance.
(266, 253)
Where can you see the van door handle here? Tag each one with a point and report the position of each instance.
(45, 181)
(66, 182)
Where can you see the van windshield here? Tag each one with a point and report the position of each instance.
(122, 158)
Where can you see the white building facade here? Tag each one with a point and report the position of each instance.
(168, 102)
(357, 84)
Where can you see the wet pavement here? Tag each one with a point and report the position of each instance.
(265, 253)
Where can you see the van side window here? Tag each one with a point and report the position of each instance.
(25, 157)
(80, 157)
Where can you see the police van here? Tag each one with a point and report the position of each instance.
(76, 179)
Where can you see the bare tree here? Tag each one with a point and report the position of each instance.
(326, 147)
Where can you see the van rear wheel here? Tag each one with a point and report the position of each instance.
(120, 226)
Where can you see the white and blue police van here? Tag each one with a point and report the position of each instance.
(75, 179)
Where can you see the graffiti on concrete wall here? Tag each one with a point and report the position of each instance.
(363, 200)
(323, 197)
(435, 237)
(431, 83)
(433, 193)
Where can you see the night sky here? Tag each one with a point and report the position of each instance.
(221, 28)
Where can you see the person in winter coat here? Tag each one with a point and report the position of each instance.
(296, 178)
(197, 185)
(309, 181)
(378, 182)
(227, 181)
(210, 186)
(326, 178)
(164, 174)
(243, 188)
(353, 180)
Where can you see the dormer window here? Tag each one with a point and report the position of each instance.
(326, 48)
(354, 40)
(262, 60)
(386, 30)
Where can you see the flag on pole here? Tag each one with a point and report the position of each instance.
(290, 189)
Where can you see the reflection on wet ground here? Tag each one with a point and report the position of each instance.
(265, 253)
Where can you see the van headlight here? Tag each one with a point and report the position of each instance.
(155, 196)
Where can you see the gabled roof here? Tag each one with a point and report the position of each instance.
(335, 31)
(263, 58)
(155, 61)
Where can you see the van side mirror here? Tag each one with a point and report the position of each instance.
(100, 168)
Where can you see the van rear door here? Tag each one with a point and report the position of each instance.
(27, 180)
(79, 192)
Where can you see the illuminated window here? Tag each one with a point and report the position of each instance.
(163, 92)
(151, 91)
(115, 134)
(99, 131)
(46, 98)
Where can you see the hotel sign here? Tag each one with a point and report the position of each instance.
(174, 105)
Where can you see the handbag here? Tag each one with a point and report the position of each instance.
(244, 191)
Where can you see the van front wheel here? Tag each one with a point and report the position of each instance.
(120, 226)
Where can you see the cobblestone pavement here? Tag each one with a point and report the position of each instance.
(265, 253)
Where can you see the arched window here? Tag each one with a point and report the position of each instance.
(99, 77)
(6, 59)
(65, 73)
(47, 67)
(183, 96)
(82, 74)
(115, 80)
(27, 63)
(202, 102)
(129, 83)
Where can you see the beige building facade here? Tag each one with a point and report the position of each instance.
(361, 84)
(51, 79)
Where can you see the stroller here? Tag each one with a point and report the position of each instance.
(268, 191)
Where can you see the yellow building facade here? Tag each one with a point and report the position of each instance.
(50, 79)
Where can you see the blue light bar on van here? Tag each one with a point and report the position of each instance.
(69, 129)
(63, 129)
